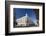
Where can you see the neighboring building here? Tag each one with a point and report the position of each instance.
(24, 21)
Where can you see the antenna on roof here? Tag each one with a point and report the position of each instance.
(26, 14)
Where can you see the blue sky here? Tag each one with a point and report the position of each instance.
(20, 12)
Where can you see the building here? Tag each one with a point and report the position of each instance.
(24, 21)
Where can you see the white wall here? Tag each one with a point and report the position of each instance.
(2, 17)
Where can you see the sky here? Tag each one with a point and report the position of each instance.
(20, 12)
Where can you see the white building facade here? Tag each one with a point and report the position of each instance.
(24, 21)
